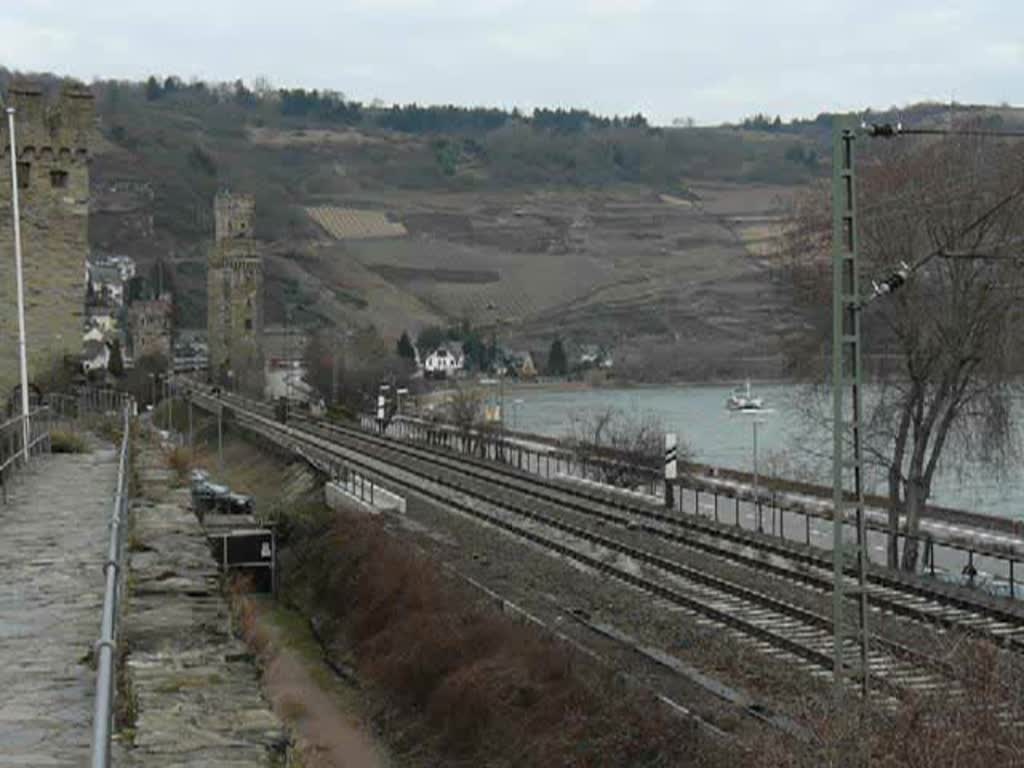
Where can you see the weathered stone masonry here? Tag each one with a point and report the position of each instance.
(235, 296)
(53, 173)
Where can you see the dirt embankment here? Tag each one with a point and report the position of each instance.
(322, 711)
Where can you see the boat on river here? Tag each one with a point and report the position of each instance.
(742, 399)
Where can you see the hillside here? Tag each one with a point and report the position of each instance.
(655, 241)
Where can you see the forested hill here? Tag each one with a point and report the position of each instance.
(656, 242)
(190, 138)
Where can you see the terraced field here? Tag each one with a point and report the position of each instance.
(353, 224)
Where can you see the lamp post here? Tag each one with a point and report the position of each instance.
(20, 281)
(516, 404)
(756, 418)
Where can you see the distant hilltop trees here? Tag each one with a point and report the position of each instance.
(332, 107)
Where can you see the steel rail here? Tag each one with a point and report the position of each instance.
(939, 595)
(814, 626)
(807, 617)
(106, 647)
(897, 586)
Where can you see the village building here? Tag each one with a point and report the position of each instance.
(150, 324)
(95, 356)
(444, 361)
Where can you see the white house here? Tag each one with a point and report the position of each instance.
(444, 360)
(95, 356)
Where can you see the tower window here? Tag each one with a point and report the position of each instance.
(24, 171)
(58, 179)
(248, 323)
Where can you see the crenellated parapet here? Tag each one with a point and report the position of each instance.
(56, 131)
(53, 190)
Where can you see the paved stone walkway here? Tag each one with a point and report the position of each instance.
(195, 686)
(53, 540)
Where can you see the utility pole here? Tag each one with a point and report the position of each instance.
(26, 431)
(846, 429)
(334, 376)
(220, 437)
(289, 355)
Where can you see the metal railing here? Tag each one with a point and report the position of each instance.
(89, 401)
(106, 647)
(12, 442)
(767, 508)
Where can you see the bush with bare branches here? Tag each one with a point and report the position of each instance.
(619, 447)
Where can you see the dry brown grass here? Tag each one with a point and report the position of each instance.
(182, 461)
(64, 441)
(483, 688)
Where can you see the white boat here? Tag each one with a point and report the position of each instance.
(741, 399)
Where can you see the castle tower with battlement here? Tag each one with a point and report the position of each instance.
(235, 296)
(52, 142)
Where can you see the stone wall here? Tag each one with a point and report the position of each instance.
(235, 297)
(53, 169)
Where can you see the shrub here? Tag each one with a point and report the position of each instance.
(181, 460)
(485, 688)
(63, 441)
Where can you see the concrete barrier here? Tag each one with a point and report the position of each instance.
(628, 493)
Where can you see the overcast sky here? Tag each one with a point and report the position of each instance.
(714, 60)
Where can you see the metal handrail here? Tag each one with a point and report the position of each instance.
(106, 661)
(39, 421)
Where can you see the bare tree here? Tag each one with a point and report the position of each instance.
(465, 408)
(353, 369)
(618, 447)
(941, 349)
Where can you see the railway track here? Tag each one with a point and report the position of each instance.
(933, 604)
(500, 499)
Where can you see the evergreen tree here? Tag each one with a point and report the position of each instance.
(116, 364)
(405, 348)
(557, 363)
(153, 89)
(430, 338)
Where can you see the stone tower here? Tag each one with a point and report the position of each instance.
(52, 142)
(235, 296)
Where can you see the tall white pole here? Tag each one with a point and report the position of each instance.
(26, 431)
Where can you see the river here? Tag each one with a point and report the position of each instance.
(721, 438)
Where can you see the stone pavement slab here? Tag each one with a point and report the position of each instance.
(53, 541)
